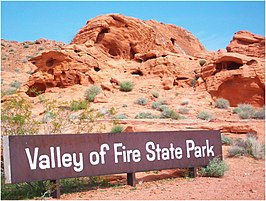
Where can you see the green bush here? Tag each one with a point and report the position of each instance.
(78, 105)
(117, 129)
(221, 103)
(92, 92)
(205, 116)
(26, 46)
(146, 115)
(16, 118)
(215, 168)
(141, 101)
(226, 140)
(169, 113)
(126, 86)
(202, 62)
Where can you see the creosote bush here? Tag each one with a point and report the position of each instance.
(92, 92)
(126, 86)
(221, 103)
(215, 168)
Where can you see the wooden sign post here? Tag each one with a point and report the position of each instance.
(53, 157)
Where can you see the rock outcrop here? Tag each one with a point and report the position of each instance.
(122, 46)
(248, 44)
(235, 77)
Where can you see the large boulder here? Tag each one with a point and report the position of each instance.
(117, 45)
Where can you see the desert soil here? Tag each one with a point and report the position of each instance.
(245, 180)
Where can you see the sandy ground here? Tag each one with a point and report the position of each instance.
(245, 180)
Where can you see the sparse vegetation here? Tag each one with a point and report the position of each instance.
(215, 168)
(202, 62)
(169, 113)
(185, 102)
(16, 84)
(246, 111)
(183, 110)
(78, 105)
(117, 129)
(221, 103)
(155, 94)
(226, 140)
(126, 86)
(17, 70)
(141, 101)
(92, 92)
(26, 46)
(205, 116)
(193, 82)
(146, 115)
(250, 146)
(121, 116)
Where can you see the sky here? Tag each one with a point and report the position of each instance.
(212, 22)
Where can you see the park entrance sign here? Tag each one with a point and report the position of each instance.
(53, 157)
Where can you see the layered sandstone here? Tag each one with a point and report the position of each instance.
(122, 46)
(248, 44)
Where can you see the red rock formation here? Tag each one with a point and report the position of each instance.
(124, 37)
(117, 45)
(235, 77)
(248, 44)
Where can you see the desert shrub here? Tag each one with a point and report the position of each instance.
(92, 92)
(215, 168)
(226, 140)
(185, 102)
(202, 62)
(244, 111)
(141, 101)
(146, 115)
(16, 117)
(193, 82)
(78, 105)
(169, 113)
(221, 103)
(48, 117)
(155, 94)
(183, 110)
(121, 116)
(17, 70)
(117, 129)
(26, 46)
(259, 114)
(205, 116)
(126, 86)
(8, 92)
(16, 84)
(249, 146)
(176, 94)
(163, 107)
(156, 105)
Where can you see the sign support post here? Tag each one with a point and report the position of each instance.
(56, 189)
(131, 179)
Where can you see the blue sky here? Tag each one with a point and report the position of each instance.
(212, 22)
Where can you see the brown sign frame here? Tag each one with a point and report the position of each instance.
(53, 157)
